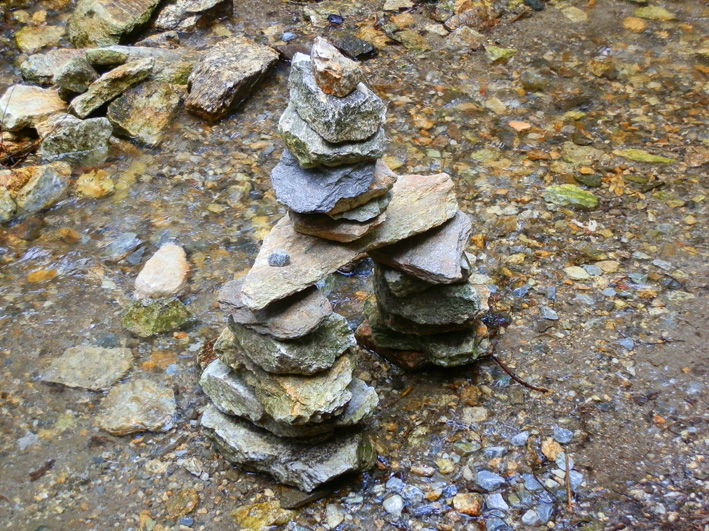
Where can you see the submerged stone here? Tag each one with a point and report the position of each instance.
(31, 39)
(311, 150)
(304, 466)
(419, 203)
(353, 118)
(135, 406)
(261, 516)
(148, 317)
(435, 256)
(226, 75)
(343, 230)
(34, 188)
(104, 22)
(571, 196)
(164, 274)
(290, 318)
(308, 354)
(87, 367)
(318, 190)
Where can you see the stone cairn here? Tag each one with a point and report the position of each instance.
(284, 398)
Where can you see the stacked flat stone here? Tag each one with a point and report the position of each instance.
(427, 308)
(284, 398)
(329, 176)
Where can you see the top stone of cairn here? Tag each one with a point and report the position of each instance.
(335, 74)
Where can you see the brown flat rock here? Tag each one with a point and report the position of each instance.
(434, 256)
(292, 317)
(420, 203)
(338, 230)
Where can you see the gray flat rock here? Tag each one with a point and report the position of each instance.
(40, 67)
(289, 318)
(317, 190)
(311, 150)
(231, 395)
(111, 85)
(74, 141)
(169, 65)
(305, 355)
(434, 256)
(380, 186)
(304, 466)
(297, 400)
(46, 185)
(343, 230)
(185, 15)
(419, 203)
(353, 118)
(75, 75)
(138, 405)
(443, 305)
(92, 368)
(225, 76)
(104, 22)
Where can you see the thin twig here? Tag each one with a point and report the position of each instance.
(517, 378)
(543, 485)
(569, 499)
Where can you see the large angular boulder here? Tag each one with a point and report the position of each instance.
(317, 190)
(419, 203)
(304, 355)
(311, 150)
(106, 22)
(75, 76)
(111, 85)
(230, 394)
(145, 112)
(435, 256)
(303, 465)
(34, 188)
(225, 76)
(184, 15)
(290, 318)
(74, 141)
(353, 118)
(26, 106)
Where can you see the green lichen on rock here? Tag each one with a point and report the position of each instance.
(571, 196)
(148, 317)
(655, 13)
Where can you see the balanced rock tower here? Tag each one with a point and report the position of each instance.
(284, 397)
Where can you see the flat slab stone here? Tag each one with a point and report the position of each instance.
(87, 367)
(317, 190)
(225, 76)
(304, 466)
(353, 118)
(419, 203)
(343, 230)
(231, 395)
(448, 306)
(26, 106)
(289, 318)
(145, 112)
(311, 150)
(164, 274)
(74, 141)
(297, 400)
(111, 85)
(380, 186)
(104, 22)
(434, 256)
(138, 405)
(367, 211)
(308, 354)
(170, 65)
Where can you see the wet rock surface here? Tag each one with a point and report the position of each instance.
(100, 23)
(79, 142)
(26, 106)
(92, 368)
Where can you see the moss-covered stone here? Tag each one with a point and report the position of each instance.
(148, 317)
(640, 155)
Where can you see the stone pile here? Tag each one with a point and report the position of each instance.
(282, 388)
